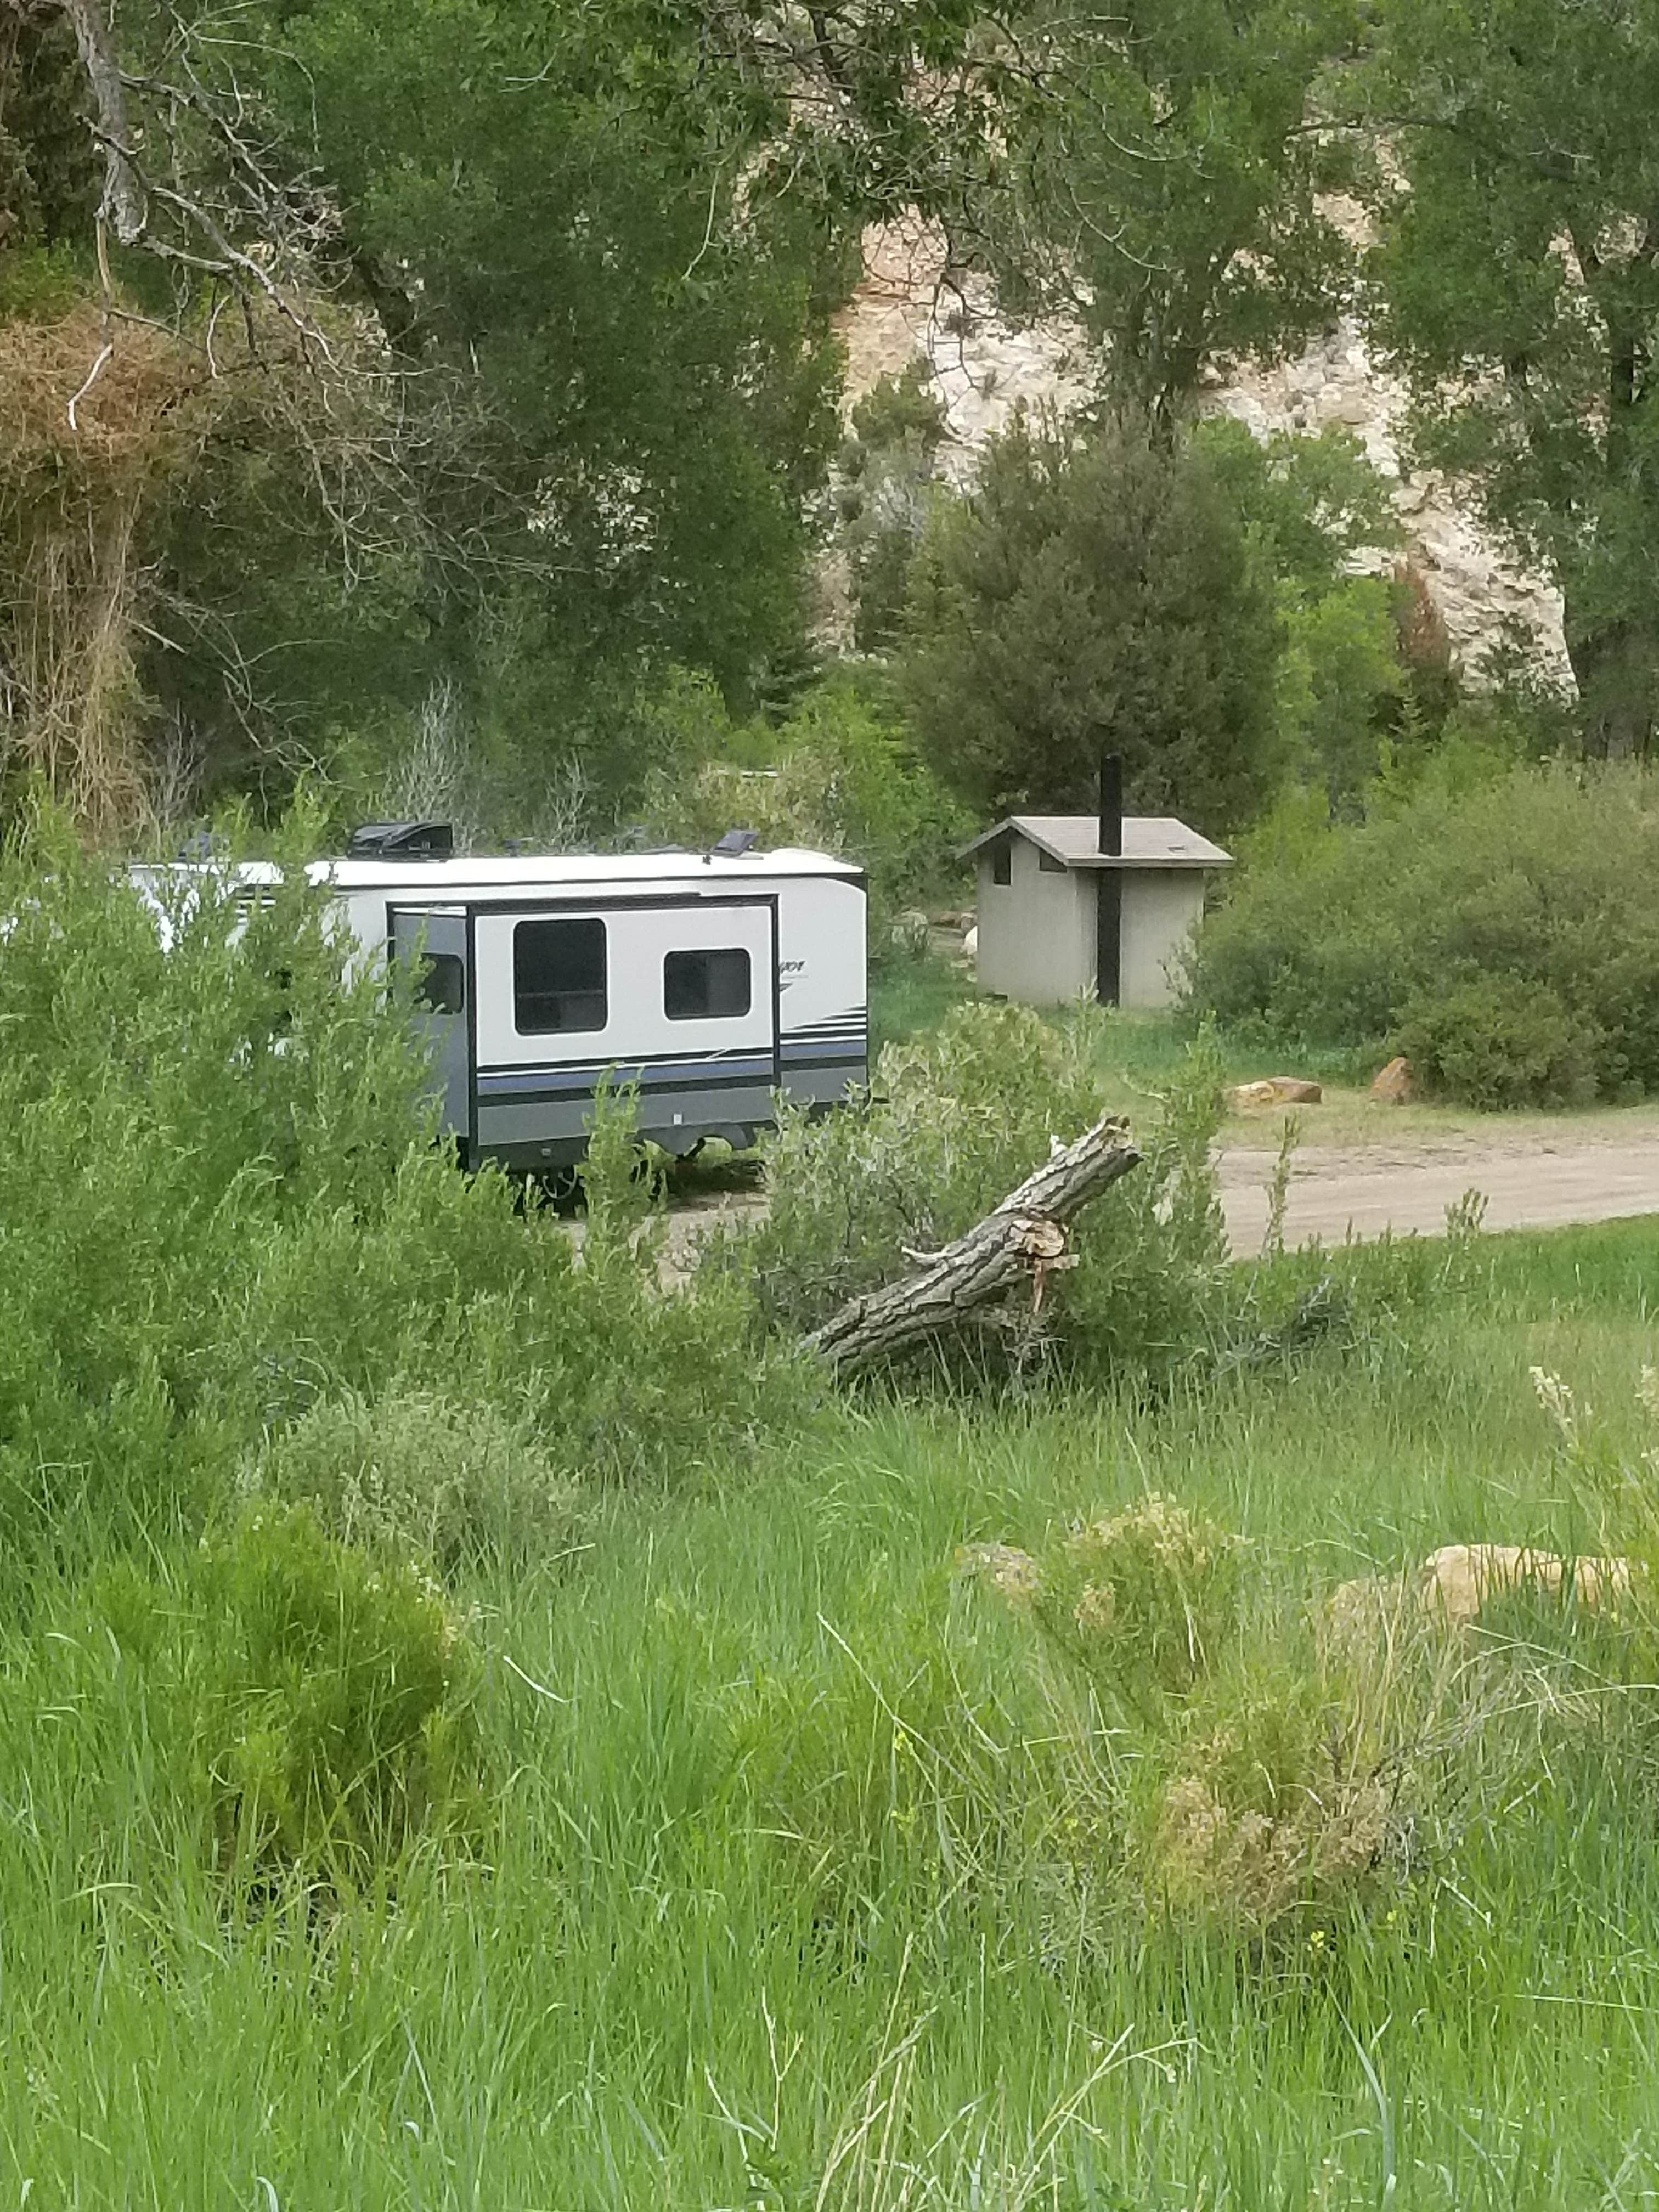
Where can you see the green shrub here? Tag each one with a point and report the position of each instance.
(1147, 1600)
(1238, 1780)
(411, 1473)
(839, 774)
(300, 1707)
(220, 1206)
(169, 1114)
(1501, 1042)
(956, 1119)
(1536, 889)
(332, 1697)
(1266, 1809)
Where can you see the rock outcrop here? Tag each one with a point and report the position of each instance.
(912, 304)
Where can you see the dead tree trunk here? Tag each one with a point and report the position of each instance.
(1022, 1241)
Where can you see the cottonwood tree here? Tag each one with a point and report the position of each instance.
(558, 230)
(545, 242)
(1160, 183)
(1518, 284)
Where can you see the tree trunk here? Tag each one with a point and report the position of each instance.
(1022, 1242)
(1617, 671)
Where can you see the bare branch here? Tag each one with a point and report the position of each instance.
(123, 204)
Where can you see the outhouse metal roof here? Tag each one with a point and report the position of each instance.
(1149, 841)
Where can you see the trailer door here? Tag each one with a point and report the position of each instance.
(440, 937)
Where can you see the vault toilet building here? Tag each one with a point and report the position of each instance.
(1074, 905)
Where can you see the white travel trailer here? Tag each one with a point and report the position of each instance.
(711, 982)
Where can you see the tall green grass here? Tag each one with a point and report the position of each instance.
(776, 1902)
(704, 1838)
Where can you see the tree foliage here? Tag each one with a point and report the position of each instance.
(1518, 284)
(598, 351)
(1163, 184)
(1095, 592)
(1314, 509)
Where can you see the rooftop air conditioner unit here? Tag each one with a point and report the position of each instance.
(402, 841)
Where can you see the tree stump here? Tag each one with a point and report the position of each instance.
(1022, 1241)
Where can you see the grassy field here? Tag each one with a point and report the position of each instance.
(791, 1890)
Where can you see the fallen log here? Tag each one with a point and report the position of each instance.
(1022, 1241)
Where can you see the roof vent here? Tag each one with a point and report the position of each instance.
(402, 841)
(736, 843)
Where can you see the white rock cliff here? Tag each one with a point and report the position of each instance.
(910, 306)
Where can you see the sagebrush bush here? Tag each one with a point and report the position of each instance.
(1265, 1812)
(411, 1473)
(1244, 1781)
(1509, 933)
(1147, 1600)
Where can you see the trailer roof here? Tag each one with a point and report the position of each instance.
(504, 872)
(529, 870)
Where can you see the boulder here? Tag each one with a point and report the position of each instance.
(1459, 1578)
(970, 945)
(1452, 1585)
(1393, 1085)
(1274, 1090)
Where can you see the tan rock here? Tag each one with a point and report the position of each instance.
(1458, 1579)
(1275, 1091)
(1393, 1085)
(1452, 1585)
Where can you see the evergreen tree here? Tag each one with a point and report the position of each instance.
(1095, 592)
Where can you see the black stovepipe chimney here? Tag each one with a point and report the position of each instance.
(1111, 805)
(1108, 884)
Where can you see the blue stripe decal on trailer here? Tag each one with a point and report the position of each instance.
(655, 1073)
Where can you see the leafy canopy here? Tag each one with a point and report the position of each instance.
(1163, 174)
(1518, 285)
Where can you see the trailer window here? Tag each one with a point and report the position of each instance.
(442, 985)
(558, 977)
(701, 986)
(1002, 862)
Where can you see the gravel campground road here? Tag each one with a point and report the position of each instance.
(1529, 1181)
(1535, 1179)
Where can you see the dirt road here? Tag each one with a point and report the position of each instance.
(1529, 1181)
(1534, 1179)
